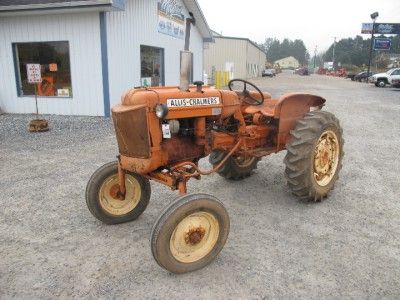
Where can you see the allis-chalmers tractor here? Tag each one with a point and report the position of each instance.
(163, 132)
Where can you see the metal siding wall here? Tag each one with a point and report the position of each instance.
(226, 50)
(82, 32)
(136, 26)
(256, 57)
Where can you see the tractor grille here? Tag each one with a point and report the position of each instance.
(132, 132)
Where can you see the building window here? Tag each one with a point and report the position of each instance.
(151, 66)
(54, 61)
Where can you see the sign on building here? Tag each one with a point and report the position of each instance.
(33, 73)
(382, 43)
(171, 20)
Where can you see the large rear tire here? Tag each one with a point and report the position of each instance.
(107, 205)
(236, 167)
(314, 155)
(190, 233)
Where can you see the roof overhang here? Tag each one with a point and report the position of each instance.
(61, 7)
(201, 22)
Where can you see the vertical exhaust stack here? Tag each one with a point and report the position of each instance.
(186, 57)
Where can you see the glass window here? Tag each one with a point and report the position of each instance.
(152, 66)
(53, 58)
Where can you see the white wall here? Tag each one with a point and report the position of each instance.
(136, 26)
(82, 30)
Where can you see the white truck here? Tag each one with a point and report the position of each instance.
(382, 79)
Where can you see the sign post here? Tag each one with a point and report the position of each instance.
(35, 77)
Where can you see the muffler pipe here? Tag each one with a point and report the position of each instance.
(186, 57)
(186, 66)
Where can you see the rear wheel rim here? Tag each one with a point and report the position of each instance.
(326, 158)
(110, 199)
(194, 237)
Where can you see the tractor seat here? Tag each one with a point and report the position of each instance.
(267, 108)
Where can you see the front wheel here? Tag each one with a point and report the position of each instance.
(314, 155)
(190, 233)
(381, 83)
(103, 198)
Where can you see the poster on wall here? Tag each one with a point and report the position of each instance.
(33, 73)
(171, 20)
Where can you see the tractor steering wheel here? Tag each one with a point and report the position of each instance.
(246, 94)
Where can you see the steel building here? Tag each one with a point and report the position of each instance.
(241, 57)
(91, 51)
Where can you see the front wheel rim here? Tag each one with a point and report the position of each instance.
(326, 158)
(194, 237)
(114, 203)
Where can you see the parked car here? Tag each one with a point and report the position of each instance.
(362, 76)
(382, 79)
(302, 71)
(351, 76)
(268, 73)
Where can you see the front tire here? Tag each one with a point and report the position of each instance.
(106, 204)
(190, 233)
(314, 155)
(381, 83)
(236, 167)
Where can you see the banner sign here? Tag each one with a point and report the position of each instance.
(381, 28)
(382, 43)
(387, 28)
(366, 28)
(171, 20)
(33, 73)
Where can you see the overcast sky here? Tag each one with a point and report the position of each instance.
(316, 22)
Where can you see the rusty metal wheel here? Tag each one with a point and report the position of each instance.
(189, 233)
(105, 202)
(326, 157)
(314, 155)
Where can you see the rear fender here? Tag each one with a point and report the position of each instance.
(290, 108)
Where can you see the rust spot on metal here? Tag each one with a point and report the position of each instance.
(115, 192)
(195, 235)
(132, 132)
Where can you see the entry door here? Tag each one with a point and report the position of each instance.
(152, 66)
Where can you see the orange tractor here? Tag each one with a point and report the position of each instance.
(163, 132)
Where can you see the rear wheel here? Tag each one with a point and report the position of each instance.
(236, 167)
(190, 233)
(103, 198)
(314, 155)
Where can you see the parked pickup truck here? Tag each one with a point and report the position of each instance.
(382, 79)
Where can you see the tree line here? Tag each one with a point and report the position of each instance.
(349, 51)
(355, 51)
(276, 50)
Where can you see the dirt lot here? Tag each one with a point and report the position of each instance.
(345, 247)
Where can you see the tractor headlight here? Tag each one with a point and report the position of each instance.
(161, 110)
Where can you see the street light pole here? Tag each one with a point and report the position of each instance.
(373, 17)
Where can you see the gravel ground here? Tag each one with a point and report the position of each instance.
(348, 246)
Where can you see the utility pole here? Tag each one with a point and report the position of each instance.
(315, 55)
(373, 17)
(333, 58)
